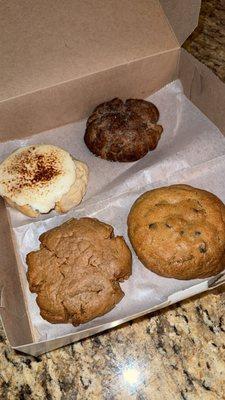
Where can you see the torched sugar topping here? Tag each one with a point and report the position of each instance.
(37, 176)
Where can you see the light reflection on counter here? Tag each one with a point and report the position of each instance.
(131, 375)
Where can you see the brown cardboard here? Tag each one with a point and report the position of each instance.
(36, 349)
(182, 16)
(13, 310)
(203, 88)
(73, 100)
(50, 42)
(60, 59)
(49, 54)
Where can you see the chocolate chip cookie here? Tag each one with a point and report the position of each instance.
(179, 232)
(123, 131)
(77, 270)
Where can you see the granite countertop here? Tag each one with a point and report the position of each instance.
(177, 353)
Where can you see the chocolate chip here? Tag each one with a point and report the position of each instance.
(197, 233)
(152, 226)
(181, 233)
(202, 248)
(168, 225)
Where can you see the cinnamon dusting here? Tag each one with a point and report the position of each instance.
(33, 169)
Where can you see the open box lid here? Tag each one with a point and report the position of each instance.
(182, 16)
(46, 43)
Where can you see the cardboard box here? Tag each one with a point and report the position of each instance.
(58, 61)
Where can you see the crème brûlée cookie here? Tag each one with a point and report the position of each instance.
(179, 232)
(76, 272)
(39, 178)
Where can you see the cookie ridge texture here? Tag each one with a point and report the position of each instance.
(123, 131)
(77, 270)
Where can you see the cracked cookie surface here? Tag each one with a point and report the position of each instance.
(76, 272)
(179, 232)
(123, 131)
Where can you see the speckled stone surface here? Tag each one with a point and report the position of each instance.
(177, 353)
(207, 42)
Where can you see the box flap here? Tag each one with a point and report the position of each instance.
(12, 308)
(182, 15)
(45, 43)
(74, 100)
(203, 88)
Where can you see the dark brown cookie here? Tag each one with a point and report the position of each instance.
(179, 232)
(76, 272)
(118, 131)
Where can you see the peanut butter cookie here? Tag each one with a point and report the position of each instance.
(76, 272)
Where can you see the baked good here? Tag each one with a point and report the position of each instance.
(123, 131)
(39, 178)
(76, 272)
(179, 232)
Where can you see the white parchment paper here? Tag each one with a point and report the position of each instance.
(191, 150)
